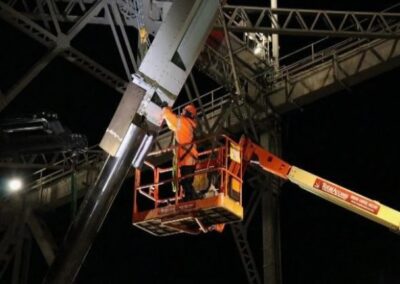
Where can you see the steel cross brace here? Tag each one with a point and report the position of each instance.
(59, 44)
(307, 22)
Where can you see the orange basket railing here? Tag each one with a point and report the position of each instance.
(214, 166)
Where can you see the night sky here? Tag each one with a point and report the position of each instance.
(348, 138)
(352, 140)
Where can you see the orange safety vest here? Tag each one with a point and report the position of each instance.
(183, 127)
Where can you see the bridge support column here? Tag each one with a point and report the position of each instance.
(271, 216)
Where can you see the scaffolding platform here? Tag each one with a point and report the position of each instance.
(191, 217)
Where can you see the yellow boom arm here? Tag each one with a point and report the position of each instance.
(323, 188)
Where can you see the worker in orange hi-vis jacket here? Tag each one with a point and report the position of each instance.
(184, 126)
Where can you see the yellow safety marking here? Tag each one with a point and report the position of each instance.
(236, 185)
(234, 153)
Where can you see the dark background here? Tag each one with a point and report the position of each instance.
(349, 138)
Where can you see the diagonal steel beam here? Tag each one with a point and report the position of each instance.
(117, 42)
(33, 72)
(95, 69)
(197, 93)
(43, 238)
(229, 46)
(85, 19)
(52, 8)
(42, 13)
(15, 210)
(240, 236)
(27, 26)
(251, 207)
(59, 44)
(120, 24)
(72, 4)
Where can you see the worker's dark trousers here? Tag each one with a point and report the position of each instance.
(187, 183)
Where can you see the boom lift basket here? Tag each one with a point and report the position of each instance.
(160, 210)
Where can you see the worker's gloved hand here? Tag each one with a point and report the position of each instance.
(164, 104)
(165, 108)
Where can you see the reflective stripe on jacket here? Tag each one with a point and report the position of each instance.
(183, 127)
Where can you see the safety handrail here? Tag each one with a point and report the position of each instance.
(41, 177)
(326, 53)
(215, 163)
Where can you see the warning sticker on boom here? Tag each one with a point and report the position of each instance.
(348, 196)
(234, 152)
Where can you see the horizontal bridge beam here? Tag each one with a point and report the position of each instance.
(305, 22)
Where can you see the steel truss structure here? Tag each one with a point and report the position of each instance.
(64, 180)
(58, 43)
(15, 241)
(245, 98)
(307, 22)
